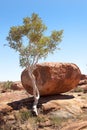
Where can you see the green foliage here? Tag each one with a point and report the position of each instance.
(25, 115)
(7, 85)
(57, 121)
(78, 89)
(31, 43)
(40, 119)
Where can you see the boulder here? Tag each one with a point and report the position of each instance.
(53, 78)
(17, 85)
(83, 80)
(83, 77)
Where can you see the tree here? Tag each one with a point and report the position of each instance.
(31, 43)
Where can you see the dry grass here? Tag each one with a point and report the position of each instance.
(4, 86)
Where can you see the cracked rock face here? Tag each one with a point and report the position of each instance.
(53, 78)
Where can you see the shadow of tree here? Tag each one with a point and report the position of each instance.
(28, 102)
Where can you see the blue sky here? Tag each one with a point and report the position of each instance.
(69, 15)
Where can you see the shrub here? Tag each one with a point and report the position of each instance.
(78, 89)
(7, 85)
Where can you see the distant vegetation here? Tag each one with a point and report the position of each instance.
(5, 85)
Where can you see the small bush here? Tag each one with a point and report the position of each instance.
(7, 85)
(78, 89)
(40, 119)
(57, 121)
(24, 114)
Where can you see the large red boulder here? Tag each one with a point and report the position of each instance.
(53, 78)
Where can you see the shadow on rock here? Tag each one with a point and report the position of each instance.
(17, 105)
(28, 102)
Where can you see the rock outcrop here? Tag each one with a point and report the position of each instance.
(83, 77)
(83, 83)
(83, 80)
(53, 78)
(17, 86)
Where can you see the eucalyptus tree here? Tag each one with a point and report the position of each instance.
(30, 41)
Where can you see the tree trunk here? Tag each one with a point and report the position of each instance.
(35, 91)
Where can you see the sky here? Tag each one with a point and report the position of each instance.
(69, 15)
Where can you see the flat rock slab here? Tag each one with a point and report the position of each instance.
(81, 125)
(9, 97)
(12, 96)
(69, 103)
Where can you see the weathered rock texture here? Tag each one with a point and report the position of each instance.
(83, 77)
(83, 83)
(53, 78)
(17, 86)
(83, 80)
